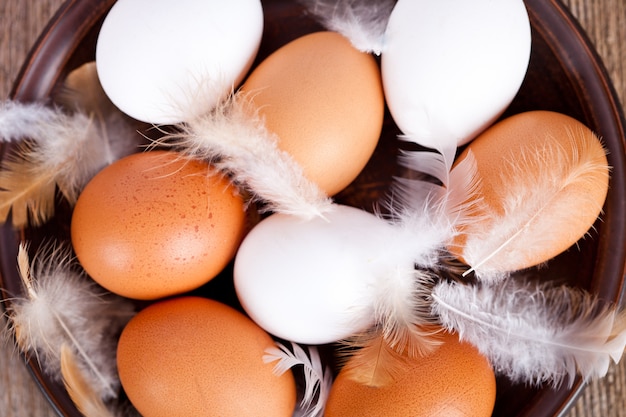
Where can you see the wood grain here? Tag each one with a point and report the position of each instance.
(21, 21)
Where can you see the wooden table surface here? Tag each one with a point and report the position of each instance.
(21, 21)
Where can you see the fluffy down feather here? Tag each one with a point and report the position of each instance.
(62, 307)
(233, 138)
(60, 146)
(532, 332)
(363, 22)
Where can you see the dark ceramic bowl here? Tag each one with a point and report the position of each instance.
(565, 75)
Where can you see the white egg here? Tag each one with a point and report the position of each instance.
(161, 60)
(451, 67)
(311, 281)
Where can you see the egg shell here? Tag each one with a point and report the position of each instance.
(164, 62)
(455, 380)
(544, 177)
(153, 225)
(311, 281)
(323, 100)
(451, 67)
(191, 356)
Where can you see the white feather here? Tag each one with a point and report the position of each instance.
(317, 377)
(429, 214)
(363, 22)
(401, 310)
(63, 307)
(436, 162)
(535, 198)
(434, 200)
(56, 149)
(370, 359)
(18, 120)
(233, 137)
(534, 333)
(425, 216)
(403, 326)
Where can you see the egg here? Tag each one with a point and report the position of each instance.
(154, 224)
(543, 178)
(165, 62)
(310, 281)
(191, 356)
(323, 100)
(455, 380)
(451, 67)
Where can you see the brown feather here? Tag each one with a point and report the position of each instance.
(26, 190)
(377, 363)
(82, 394)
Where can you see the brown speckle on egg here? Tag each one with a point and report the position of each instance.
(154, 224)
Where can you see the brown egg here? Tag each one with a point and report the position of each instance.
(191, 356)
(324, 101)
(455, 380)
(543, 179)
(152, 225)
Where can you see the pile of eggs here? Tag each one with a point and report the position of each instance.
(154, 226)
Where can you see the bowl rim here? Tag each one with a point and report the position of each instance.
(34, 82)
(554, 21)
(608, 117)
(53, 48)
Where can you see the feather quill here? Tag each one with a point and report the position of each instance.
(233, 137)
(533, 198)
(363, 22)
(369, 360)
(56, 149)
(532, 332)
(63, 307)
(317, 377)
(87, 400)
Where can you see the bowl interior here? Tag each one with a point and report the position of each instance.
(565, 75)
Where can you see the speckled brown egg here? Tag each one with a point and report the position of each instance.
(543, 178)
(323, 99)
(191, 356)
(455, 380)
(154, 224)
